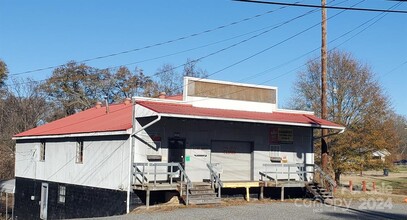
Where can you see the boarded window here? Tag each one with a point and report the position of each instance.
(79, 151)
(42, 151)
(61, 194)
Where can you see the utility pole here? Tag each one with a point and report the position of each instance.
(324, 66)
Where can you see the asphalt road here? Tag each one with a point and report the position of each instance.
(300, 209)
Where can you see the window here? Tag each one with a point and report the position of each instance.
(42, 151)
(61, 193)
(79, 151)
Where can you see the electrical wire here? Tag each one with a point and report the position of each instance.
(270, 28)
(319, 6)
(156, 44)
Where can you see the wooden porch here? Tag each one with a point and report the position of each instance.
(273, 175)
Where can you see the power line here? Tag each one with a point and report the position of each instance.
(270, 28)
(156, 44)
(394, 69)
(272, 46)
(319, 6)
(377, 17)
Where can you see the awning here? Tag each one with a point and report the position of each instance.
(177, 110)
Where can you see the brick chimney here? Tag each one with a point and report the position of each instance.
(127, 101)
(162, 95)
(98, 105)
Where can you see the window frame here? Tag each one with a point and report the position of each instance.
(42, 150)
(79, 151)
(61, 194)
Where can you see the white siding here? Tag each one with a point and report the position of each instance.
(105, 162)
(199, 135)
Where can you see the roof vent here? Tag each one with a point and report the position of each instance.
(162, 95)
(127, 101)
(98, 105)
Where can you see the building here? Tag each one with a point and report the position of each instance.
(381, 155)
(106, 160)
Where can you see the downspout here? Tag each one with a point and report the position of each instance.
(339, 132)
(132, 146)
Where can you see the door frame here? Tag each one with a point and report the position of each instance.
(183, 149)
(44, 201)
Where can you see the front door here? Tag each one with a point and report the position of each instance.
(176, 150)
(44, 201)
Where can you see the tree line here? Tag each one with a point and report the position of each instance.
(355, 100)
(72, 88)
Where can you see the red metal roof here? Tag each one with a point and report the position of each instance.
(119, 118)
(175, 97)
(88, 121)
(189, 110)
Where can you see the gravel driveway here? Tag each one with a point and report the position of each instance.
(300, 209)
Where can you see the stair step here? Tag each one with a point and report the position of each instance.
(201, 187)
(206, 196)
(201, 184)
(201, 193)
(203, 201)
(193, 191)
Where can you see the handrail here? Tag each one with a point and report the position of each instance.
(146, 171)
(325, 177)
(184, 177)
(272, 175)
(215, 179)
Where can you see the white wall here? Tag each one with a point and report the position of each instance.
(231, 104)
(105, 162)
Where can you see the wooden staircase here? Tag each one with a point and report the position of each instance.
(201, 194)
(319, 192)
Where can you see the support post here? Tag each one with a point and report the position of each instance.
(148, 198)
(261, 192)
(282, 193)
(364, 186)
(350, 186)
(247, 194)
(6, 206)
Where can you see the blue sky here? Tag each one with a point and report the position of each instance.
(39, 34)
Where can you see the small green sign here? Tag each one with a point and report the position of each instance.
(187, 158)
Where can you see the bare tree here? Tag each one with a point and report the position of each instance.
(3, 72)
(170, 81)
(355, 100)
(21, 108)
(191, 69)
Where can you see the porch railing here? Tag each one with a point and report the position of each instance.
(143, 171)
(281, 171)
(216, 182)
(323, 178)
(285, 171)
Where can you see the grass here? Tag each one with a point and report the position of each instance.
(394, 184)
(402, 168)
(398, 186)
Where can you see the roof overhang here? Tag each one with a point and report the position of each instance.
(109, 133)
(251, 121)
